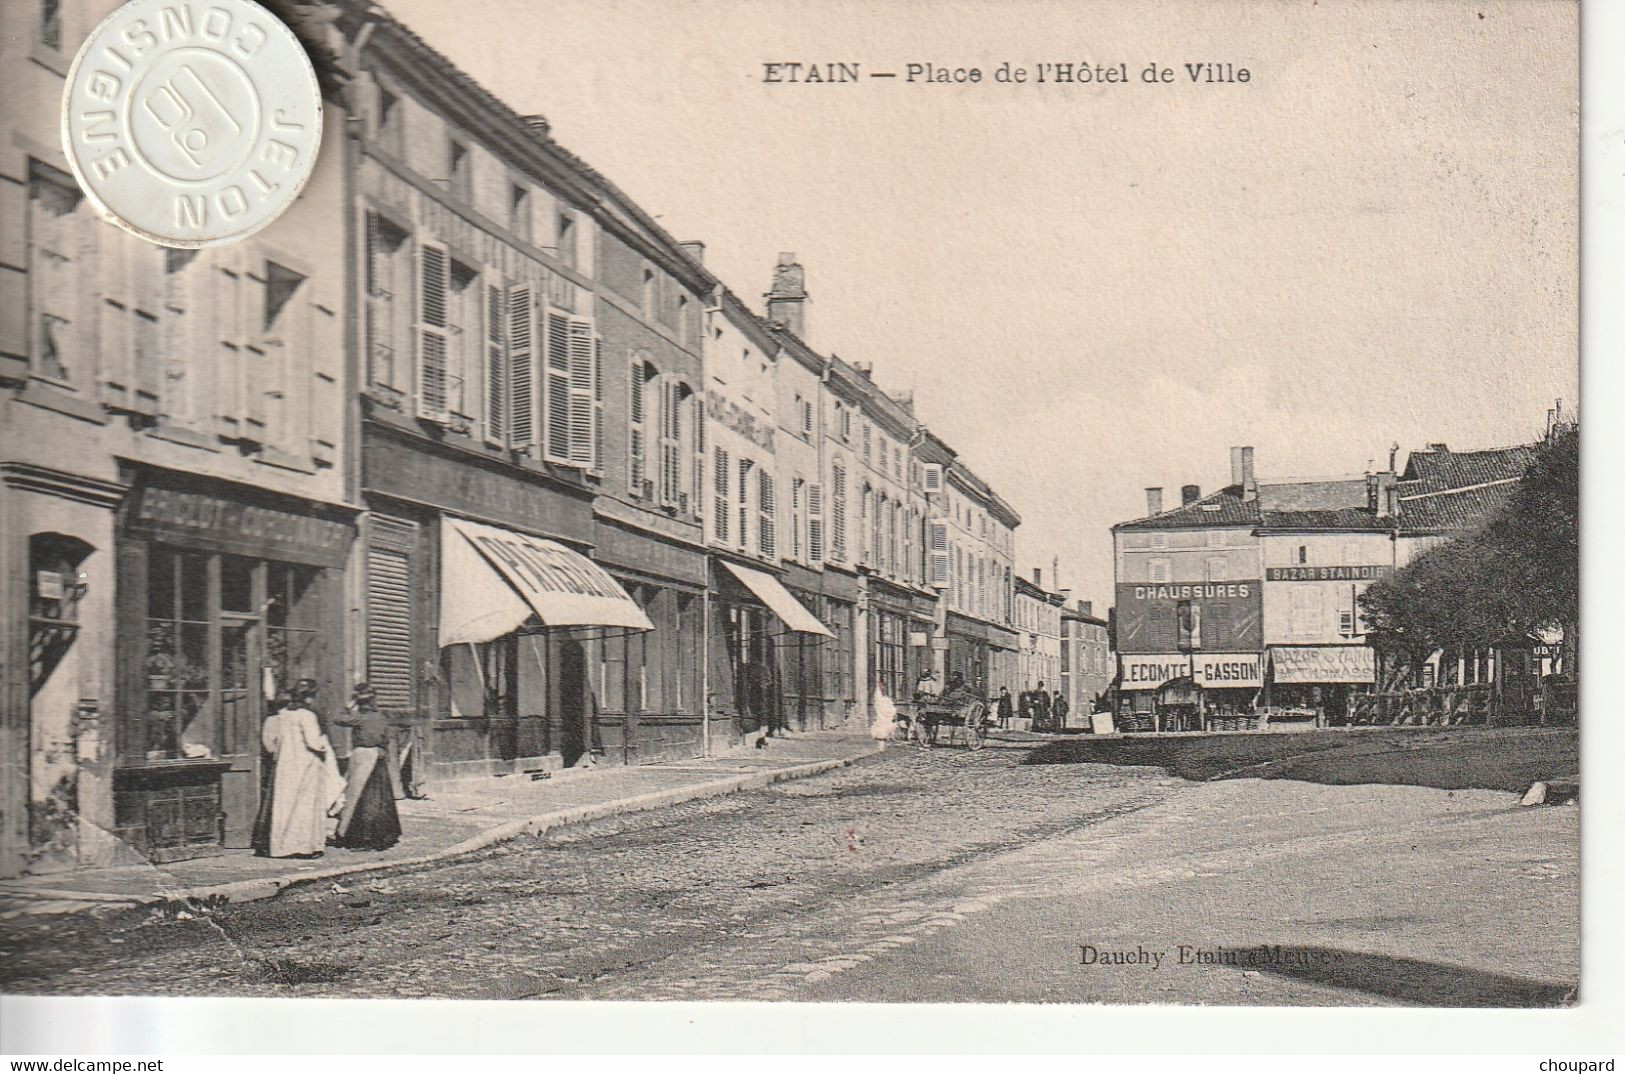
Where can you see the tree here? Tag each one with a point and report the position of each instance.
(1516, 577)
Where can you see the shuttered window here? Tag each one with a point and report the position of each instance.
(671, 439)
(496, 363)
(722, 488)
(838, 513)
(521, 367)
(637, 409)
(815, 523)
(386, 301)
(582, 392)
(434, 283)
(389, 612)
(745, 466)
(767, 503)
(556, 388)
(940, 563)
(597, 405)
(798, 497)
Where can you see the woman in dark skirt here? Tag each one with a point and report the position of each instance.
(369, 820)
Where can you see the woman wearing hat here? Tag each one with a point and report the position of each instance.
(369, 820)
(304, 782)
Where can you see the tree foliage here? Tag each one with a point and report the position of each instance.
(1517, 576)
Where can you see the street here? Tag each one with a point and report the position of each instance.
(920, 876)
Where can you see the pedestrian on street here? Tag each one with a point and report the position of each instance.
(369, 820)
(1026, 707)
(1040, 709)
(1059, 710)
(307, 783)
(1007, 709)
(926, 684)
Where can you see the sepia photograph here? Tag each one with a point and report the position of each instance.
(913, 502)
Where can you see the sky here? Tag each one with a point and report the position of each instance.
(1095, 288)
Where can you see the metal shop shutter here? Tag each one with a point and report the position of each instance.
(389, 612)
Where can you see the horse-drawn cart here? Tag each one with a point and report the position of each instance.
(966, 718)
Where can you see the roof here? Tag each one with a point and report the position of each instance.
(1440, 468)
(1341, 519)
(1444, 491)
(1454, 509)
(1222, 508)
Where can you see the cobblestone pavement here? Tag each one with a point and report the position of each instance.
(944, 875)
(576, 911)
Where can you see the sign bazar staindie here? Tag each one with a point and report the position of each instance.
(191, 123)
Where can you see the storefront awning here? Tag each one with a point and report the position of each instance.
(1324, 664)
(492, 580)
(776, 597)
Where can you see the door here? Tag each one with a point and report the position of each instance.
(574, 704)
(241, 713)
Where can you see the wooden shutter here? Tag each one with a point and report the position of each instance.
(582, 392)
(723, 493)
(496, 364)
(389, 613)
(815, 523)
(838, 515)
(767, 504)
(938, 544)
(744, 504)
(521, 367)
(637, 413)
(671, 430)
(556, 389)
(932, 473)
(597, 405)
(434, 285)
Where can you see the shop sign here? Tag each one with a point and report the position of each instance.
(255, 529)
(1214, 617)
(1324, 664)
(1150, 672)
(1368, 573)
(1218, 671)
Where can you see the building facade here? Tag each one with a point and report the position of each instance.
(530, 363)
(1189, 604)
(188, 551)
(1037, 614)
(1087, 664)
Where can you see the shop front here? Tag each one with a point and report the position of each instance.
(1317, 681)
(968, 651)
(1230, 689)
(763, 635)
(511, 702)
(814, 668)
(228, 595)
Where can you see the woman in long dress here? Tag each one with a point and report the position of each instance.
(303, 787)
(369, 820)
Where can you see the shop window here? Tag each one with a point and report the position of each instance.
(482, 678)
(180, 718)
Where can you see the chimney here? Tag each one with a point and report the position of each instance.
(539, 126)
(695, 249)
(866, 370)
(1382, 494)
(1439, 449)
(1249, 483)
(904, 399)
(787, 301)
(1189, 495)
(1153, 501)
(1086, 607)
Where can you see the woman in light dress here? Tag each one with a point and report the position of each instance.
(306, 784)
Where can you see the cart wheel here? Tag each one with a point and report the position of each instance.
(974, 736)
(922, 736)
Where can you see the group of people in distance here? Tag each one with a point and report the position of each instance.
(306, 804)
(1043, 711)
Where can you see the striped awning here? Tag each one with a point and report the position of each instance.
(492, 580)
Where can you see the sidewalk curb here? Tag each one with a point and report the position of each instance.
(239, 891)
